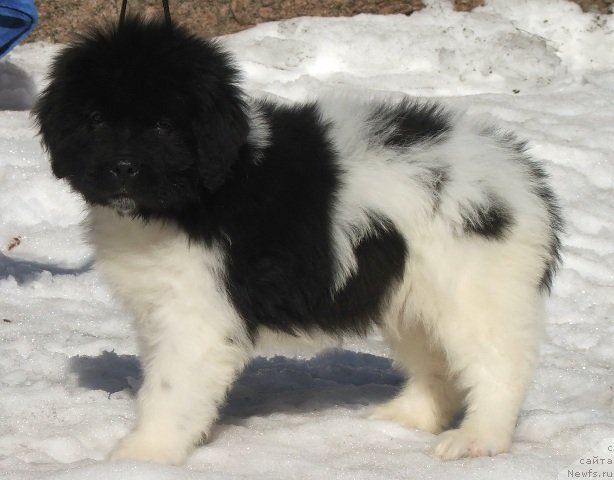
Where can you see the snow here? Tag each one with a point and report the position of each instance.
(68, 370)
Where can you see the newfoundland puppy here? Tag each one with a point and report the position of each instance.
(223, 222)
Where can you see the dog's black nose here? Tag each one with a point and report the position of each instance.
(124, 170)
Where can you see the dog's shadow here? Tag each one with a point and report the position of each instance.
(23, 271)
(267, 385)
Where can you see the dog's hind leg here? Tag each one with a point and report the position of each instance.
(491, 345)
(430, 399)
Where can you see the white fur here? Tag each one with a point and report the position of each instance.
(192, 342)
(464, 325)
(259, 132)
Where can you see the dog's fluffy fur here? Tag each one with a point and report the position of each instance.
(223, 221)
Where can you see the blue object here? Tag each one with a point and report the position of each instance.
(17, 19)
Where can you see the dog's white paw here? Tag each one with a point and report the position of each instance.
(420, 415)
(461, 443)
(143, 448)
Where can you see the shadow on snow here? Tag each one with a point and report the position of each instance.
(17, 89)
(25, 270)
(267, 385)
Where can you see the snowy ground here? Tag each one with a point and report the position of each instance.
(68, 369)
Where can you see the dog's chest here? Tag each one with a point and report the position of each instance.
(149, 263)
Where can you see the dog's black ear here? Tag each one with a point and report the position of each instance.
(221, 128)
(45, 113)
(56, 113)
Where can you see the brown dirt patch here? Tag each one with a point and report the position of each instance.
(59, 19)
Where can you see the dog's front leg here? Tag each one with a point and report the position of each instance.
(190, 354)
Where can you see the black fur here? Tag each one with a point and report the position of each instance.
(277, 215)
(407, 123)
(174, 80)
(492, 220)
(381, 257)
(149, 119)
(542, 190)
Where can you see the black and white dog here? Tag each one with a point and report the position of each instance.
(223, 222)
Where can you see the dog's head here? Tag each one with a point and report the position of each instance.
(142, 116)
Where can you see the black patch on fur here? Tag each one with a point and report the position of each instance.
(275, 218)
(380, 258)
(491, 220)
(542, 190)
(406, 123)
(270, 210)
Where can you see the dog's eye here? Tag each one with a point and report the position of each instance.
(94, 119)
(164, 127)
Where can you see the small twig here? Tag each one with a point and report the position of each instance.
(15, 242)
